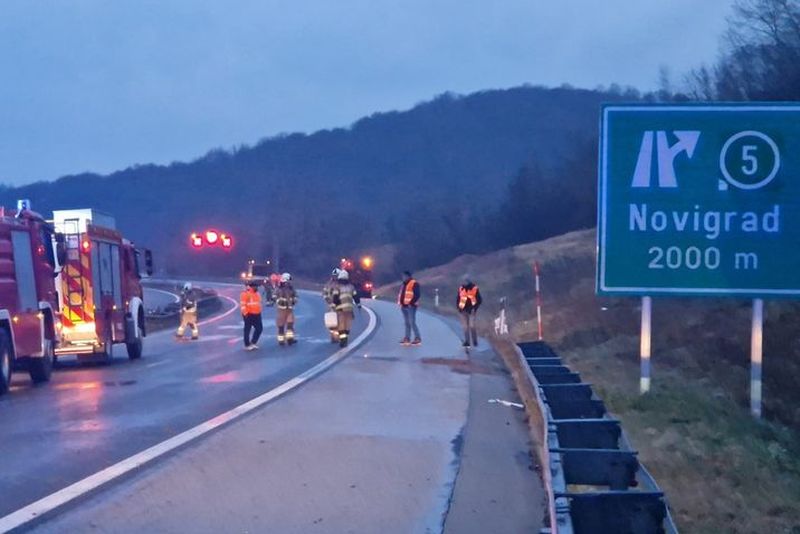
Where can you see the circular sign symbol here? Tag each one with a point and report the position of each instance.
(749, 160)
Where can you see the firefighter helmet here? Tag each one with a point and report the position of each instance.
(286, 277)
(343, 275)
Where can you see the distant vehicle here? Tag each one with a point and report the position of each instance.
(264, 275)
(100, 287)
(360, 274)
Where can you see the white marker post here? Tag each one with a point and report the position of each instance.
(644, 344)
(756, 356)
(436, 297)
(538, 301)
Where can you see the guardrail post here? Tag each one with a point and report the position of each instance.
(644, 344)
(756, 356)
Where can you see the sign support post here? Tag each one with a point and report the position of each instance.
(645, 345)
(756, 355)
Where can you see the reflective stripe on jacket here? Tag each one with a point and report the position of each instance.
(407, 293)
(250, 302)
(344, 296)
(285, 297)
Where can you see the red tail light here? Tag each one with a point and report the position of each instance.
(86, 245)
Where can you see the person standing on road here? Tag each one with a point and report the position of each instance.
(468, 301)
(188, 303)
(285, 300)
(344, 298)
(327, 296)
(408, 300)
(250, 302)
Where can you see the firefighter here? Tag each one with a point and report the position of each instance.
(285, 300)
(250, 302)
(327, 296)
(188, 303)
(345, 298)
(468, 301)
(408, 298)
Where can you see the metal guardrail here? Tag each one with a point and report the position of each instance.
(593, 478)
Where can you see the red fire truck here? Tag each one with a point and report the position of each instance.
(100, 287)
(28, 297)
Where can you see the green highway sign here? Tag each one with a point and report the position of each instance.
(699, 200)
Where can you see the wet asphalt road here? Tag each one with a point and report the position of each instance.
(92, 416)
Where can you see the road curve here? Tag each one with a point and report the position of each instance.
(90, 417)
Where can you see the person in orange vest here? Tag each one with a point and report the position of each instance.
(468, 302)
(408, 300)
(250, 302)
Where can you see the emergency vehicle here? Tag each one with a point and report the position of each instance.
(100, 290)
(360, 274)
(28, 296)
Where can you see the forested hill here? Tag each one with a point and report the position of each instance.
(343, 190)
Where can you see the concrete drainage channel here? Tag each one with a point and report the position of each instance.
(594, 483)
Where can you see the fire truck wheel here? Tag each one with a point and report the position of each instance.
(5, 363)
(40, 369)
(135, 347)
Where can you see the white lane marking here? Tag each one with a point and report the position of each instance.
(174, 297)
(55, 500)
(156, 364)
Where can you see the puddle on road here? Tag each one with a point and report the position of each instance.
(465, 367)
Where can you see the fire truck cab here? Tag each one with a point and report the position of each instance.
(28, 296)
(100, 290)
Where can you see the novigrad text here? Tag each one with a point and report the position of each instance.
(711, 224)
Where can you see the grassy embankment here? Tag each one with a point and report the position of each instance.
(722, 471)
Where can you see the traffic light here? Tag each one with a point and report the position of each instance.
(211, 239)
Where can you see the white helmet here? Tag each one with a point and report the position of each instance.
(285, 277)
(343, 275)
(187, 286)
(335, 272)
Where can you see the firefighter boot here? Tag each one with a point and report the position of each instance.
(195, 332)
(344, 336)
(281, 336)
(290, 339)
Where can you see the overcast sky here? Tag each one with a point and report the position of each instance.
(98, 85)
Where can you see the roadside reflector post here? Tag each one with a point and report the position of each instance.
(436, 297)
(645, 345)
(756, 356)
(538, 300)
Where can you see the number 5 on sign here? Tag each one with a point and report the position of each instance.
(751, 162)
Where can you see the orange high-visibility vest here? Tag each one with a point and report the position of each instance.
(465, 295)
(250, 302)
(405, 297)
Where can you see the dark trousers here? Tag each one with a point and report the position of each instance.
(252, 322)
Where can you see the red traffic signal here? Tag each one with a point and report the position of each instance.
(211, 238)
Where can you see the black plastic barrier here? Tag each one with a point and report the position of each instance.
(598, 484)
